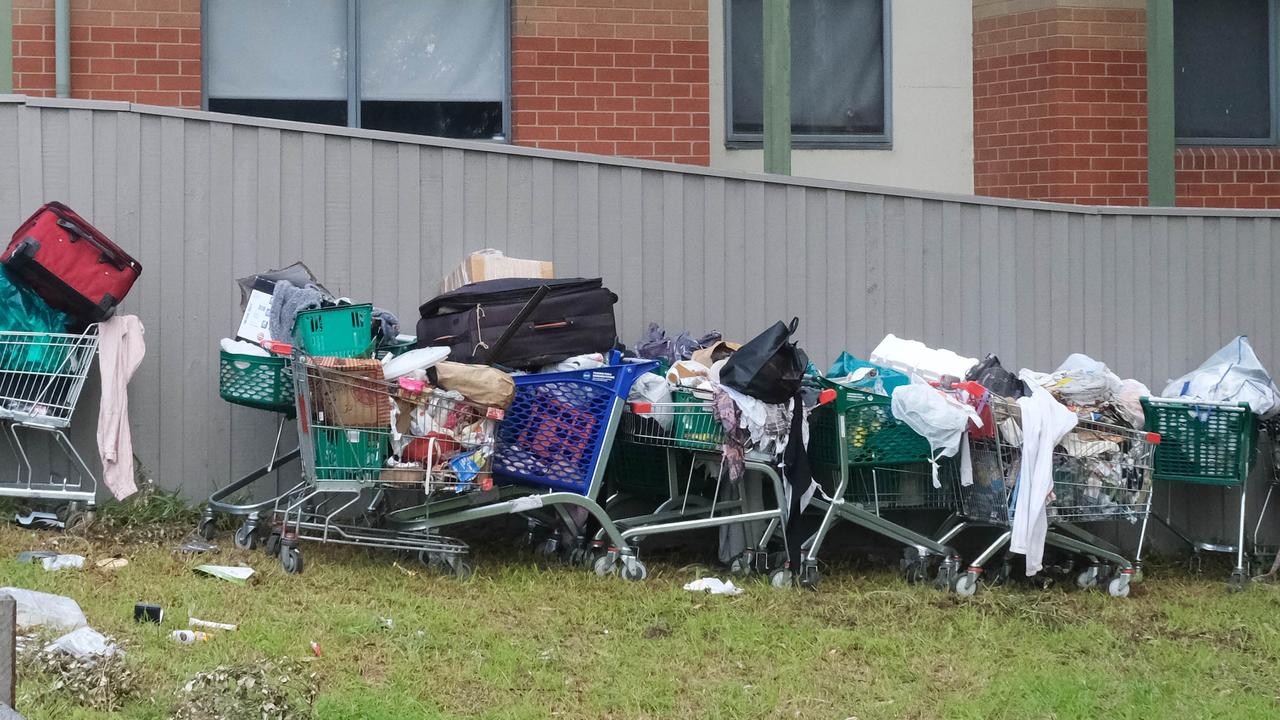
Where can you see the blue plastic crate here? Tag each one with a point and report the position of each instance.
(558, 423)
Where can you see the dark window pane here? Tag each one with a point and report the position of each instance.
(327, 112)
(837, 67)
(466, 120)
(1222, 68)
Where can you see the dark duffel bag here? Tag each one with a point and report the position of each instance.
(574, 318)
(70, 264)
(768, 368)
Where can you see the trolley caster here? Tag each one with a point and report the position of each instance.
(740, 566)
(781, 578)
(245, 538)
(967, 584)
(547, 549)
(1137, 576)
(1238, 582)
(634, 570)
(460, 568)
(809, 577)
(1001, 576)
(1088, 578)
(207, 529)
(948, 573)
(291, 560)
(915, 572)
(1119, 586)
(272, 545)
(605, 565)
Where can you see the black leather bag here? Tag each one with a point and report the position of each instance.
(769, 368)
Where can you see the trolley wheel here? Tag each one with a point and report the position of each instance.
(77, 521)
(809, 576)
(1088, 578)
(291, 560)
(1137, 576)
(1119, 586)
(967, 584)
(781, 578)
(272, 545)
(915, 572)
(948, 571)
(245, 538)
(1001, 575)
(1238, 582)
(740, 566)
(604, 566)
(207, 529)
(460, 568)
(548, 548)
(634, 570)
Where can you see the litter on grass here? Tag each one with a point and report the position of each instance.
(62, 562)
(715, 586)
(237, 575)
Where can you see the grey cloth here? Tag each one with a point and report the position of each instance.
(287, 301)
(390, 324)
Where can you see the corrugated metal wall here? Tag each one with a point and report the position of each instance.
(202, 199)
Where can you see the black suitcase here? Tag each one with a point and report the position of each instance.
(574, 318)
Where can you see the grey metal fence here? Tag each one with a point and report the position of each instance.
(201, 199)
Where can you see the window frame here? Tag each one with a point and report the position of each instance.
(1273, 62)
(353, 69)
(879, 141)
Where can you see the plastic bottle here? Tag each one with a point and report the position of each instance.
(189, 637)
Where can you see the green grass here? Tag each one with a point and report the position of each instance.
(520, 642)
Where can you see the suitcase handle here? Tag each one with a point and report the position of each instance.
(106, 254)
(551, 325)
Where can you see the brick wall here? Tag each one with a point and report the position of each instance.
(144, 51)
(1244, 177)
(614, 77)
(1060, 105)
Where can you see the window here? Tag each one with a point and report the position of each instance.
(1225, 83)
(432, 67)
(839, 72)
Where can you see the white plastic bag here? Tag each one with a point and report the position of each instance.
(83, 643)
(37, 609)
(1233, 374)
(421, 359)
(650, 388)
(935, 416)
(1129, 403)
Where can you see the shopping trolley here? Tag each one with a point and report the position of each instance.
(1206, 443)
(261, 383)
(551, 453)
(1101, 473)
(357, 468)
(876, 464)
(679, 446)
(41, 376)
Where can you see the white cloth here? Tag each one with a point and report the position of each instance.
(120, 352)
(1045, 422)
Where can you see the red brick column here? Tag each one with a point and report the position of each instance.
(613, 77)
(1060, 105)
(144, 51)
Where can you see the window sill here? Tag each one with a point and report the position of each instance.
(812, 145)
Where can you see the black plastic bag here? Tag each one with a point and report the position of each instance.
(768, 368)
(991, 375)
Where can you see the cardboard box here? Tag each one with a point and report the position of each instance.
(352, 392)
(492, 265)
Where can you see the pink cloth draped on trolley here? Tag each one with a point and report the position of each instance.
(120, 351)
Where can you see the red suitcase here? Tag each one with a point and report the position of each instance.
(70, 264)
